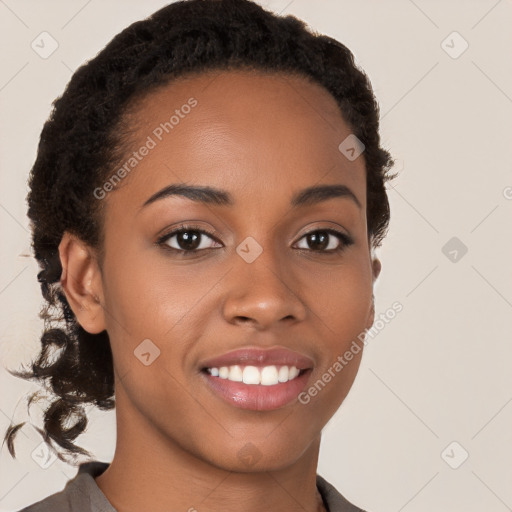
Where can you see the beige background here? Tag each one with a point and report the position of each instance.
(440, 371)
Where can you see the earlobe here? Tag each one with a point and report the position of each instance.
(376, 268)
(81, 282)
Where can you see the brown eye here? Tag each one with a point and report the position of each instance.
(326, 240)
(187, 240)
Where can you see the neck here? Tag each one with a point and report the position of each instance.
(151, 471)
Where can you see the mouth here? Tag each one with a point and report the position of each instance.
(255, 379)
(259, 388)
(258, 380)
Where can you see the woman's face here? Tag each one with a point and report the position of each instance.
(258, 281)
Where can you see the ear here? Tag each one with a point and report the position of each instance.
(82, 283)
(376, 268)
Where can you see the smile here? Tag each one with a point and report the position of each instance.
(256, 388)
(266, 375)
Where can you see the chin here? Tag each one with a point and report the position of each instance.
(259, 457)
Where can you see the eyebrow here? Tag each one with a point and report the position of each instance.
(209, 195)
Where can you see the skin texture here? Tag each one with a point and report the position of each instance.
(262, 137)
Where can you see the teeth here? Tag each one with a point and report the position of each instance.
(269, 376)
(266, 375)
(235, 373)
(251, 375)
(283, 374)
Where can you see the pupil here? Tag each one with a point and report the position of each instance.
(320, 239)
(188, 241)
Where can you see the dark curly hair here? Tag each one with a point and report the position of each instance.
(86, 135)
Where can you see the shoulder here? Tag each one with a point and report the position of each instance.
(58, 502)
(334, 500)
(79, 495)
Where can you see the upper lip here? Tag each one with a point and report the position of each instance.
(260, 357)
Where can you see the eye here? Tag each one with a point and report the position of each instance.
(326, 241)
(187, 239)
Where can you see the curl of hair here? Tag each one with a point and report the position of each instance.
(86, 136)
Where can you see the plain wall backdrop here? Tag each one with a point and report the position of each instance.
(434, 385)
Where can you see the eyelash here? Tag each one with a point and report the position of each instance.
(345, 240)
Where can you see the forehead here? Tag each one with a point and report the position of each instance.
(253, 133)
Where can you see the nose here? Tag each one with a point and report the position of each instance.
(263, 293)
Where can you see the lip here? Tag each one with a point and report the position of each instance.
(257, 397)
(260, 357)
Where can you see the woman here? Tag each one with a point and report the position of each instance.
(205, 204)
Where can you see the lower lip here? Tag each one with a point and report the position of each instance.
(255, 396)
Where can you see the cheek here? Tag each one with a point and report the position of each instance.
(147, 297)
(342, 299)
(157, 300)
(342, 303)
(146, 309)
